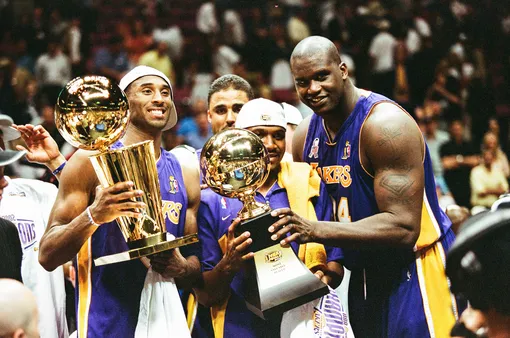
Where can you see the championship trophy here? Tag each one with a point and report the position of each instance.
(92, 114)
(236, 164)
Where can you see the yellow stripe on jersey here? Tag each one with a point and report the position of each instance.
(218, 311)
(218, 318)
(85, 289)
(438, 302)
(429, 229)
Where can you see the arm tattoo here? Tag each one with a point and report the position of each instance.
(397, 184)
(390, 137)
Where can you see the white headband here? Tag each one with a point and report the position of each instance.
(141, 71)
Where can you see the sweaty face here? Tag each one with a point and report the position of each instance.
(274, 141)
(319, 82)
(224, 107)
(149, 103)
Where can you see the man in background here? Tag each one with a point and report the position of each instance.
(18, 311)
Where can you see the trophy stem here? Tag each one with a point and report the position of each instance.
(251, 208)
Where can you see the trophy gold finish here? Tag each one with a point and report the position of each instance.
(92, 114)
(236, 164)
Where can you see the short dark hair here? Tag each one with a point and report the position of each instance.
(230, 81)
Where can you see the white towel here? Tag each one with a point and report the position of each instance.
(161, 312)
(321, 318)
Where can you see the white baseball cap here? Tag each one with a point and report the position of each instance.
(9, 156)
(8, 132)
(141, 71)
(261, 112)
(292, 114)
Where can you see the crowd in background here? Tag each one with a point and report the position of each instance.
(446, 61)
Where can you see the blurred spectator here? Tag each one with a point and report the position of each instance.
(53, 68)
(18, 310)
(137, 41)
(381, 51)
(172, 35)
(23, 58)
(401, 87)
(500, 160)
(73, 45)
(458, 156)
(57, 25)
(446, 91)
(488, 181)
(206, 19)
(234, 29)
(297, 28)
(225, 59)
(112, 61)
(435, 138)
(195, 130)
(158, 58)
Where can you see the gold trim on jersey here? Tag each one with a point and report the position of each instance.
(84, 287)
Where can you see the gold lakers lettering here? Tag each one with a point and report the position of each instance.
(172, 211)
(334, 174)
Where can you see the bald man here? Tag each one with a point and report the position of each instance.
(377, 169)
(18, 310)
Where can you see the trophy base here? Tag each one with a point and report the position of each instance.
(146, 250)
(278, 281)
(257, 226)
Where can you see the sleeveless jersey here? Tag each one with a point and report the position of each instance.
(384, 281)
(108, 297)
(338, 163)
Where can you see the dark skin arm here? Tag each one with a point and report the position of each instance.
(69, 226)
(392, 151)
(171, 263)
(217, 281)
(299, 138)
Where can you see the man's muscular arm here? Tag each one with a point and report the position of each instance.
(69, 225)
(171, 264)
(392, 150)
(299, 138)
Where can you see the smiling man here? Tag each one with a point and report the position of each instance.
(377, 168)
(82, 221)
(223, 254)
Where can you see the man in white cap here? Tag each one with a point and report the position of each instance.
(82, 220)
(223, 254)
(18, 310)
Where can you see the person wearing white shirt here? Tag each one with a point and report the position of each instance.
(27, 203)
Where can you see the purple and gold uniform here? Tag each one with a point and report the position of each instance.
(108, 297)
(392, 293)
(215, 215)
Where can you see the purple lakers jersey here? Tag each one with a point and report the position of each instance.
(351, 186)
(108, 297)
(391, 291)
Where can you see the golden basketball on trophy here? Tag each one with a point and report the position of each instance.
(235, 164)
(92, 113)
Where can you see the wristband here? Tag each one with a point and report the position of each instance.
(91, 220)
(59, 169)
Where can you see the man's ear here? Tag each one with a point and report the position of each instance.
(209, 115)
(344, 70)
(19, 333)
